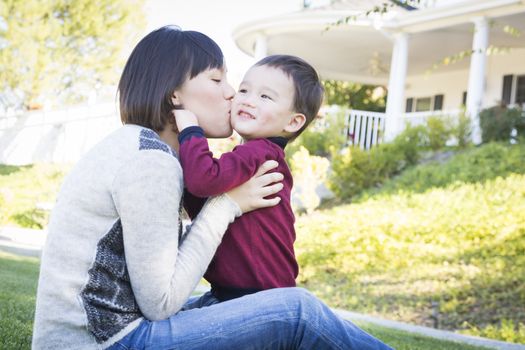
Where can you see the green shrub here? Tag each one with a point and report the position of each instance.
(474, 165)
(354, 170)
(23, 187)
(350, 172)
(324, 132)
(411, 142)
(498, 122)
(439, 131)
(462, 130)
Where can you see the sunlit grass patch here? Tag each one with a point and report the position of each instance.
(461, 246)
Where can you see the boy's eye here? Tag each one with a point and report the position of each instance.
(266, 97)
(242, 91)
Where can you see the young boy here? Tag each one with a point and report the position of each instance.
(278, 97)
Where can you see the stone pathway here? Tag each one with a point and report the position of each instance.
(28, 242)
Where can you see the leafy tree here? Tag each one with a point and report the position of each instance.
(354, 95)
(63, 48)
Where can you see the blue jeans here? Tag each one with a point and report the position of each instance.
(282, 318)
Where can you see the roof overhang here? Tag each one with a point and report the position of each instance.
(361, 50)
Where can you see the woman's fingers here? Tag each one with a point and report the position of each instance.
(251, 195)
(265, 167)
(272, 189)
(269, 202)
(269, 178)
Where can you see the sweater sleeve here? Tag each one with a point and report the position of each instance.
(207, 176)
(147, 193)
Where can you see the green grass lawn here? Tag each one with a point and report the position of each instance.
(451, 234)
(18, 276)
(18, 281)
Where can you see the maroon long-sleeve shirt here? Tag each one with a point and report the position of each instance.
(257, 251)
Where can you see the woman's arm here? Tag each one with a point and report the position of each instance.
(147, 193)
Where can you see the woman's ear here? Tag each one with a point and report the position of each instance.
(296, 123)
(177, 103)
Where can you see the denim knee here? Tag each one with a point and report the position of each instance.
(300, 302)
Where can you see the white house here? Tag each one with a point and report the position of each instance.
(433, 55)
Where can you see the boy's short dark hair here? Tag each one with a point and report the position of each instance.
(308, 90)
(159, 64)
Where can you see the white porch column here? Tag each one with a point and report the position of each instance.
(261, 48)
(476, 79)
(396, 86)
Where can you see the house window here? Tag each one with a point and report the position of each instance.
(423, 104)
(513, 90)
(520, 89)
(506, 94)
(438, 102)
(409, 105)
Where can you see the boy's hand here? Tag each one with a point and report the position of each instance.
(185, 118)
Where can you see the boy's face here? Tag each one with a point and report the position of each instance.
(263, 105)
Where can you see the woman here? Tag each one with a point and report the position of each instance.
(117, 268)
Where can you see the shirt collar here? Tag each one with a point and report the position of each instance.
(279, 141)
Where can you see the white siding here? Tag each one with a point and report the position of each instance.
(453, 84)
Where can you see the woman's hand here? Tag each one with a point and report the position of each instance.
(250, 195)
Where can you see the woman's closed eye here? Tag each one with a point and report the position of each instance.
(242, 91)
(217, 80)
(264, 96)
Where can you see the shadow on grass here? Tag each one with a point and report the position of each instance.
(499, 293)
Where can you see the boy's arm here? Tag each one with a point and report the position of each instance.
(207, 176)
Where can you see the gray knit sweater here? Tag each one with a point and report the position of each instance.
(113, 254)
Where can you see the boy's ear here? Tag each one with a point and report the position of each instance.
(296, 123)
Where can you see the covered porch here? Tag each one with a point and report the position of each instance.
(433, 60)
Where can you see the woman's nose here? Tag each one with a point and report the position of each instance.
(229, 92)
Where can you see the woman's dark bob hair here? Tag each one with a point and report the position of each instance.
(160, 63)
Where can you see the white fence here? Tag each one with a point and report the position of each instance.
(366, 129)
(61, 136)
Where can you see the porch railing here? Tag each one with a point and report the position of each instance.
(364, 129)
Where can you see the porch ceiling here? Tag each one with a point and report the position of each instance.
(362, 53)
